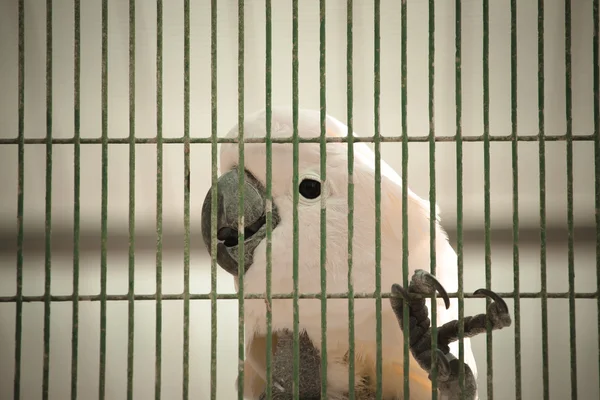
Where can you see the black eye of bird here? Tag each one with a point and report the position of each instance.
(310, 189)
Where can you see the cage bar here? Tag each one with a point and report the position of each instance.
(104, 206)
(405, 255)
(295, 200)
(261, 296)
(377, 149)
(76, 192)
(570, 253)
(542, 162)
(269, 195)
(131, 284)
(159, 199)
(20, 206)
(214, 199)
(486, 190)
(323, 168)
(459, 197)
(48, 219)
(432, 197)
(596, 69)
(515, 166)
(350, 135)
(186, 198)
(241, 193)
(359, 139)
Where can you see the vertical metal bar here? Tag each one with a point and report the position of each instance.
(515, 167)
(159, 198)
(20, 204)
(76, 194)
(323, 149)
(295, 245)
(241, 179)
(377, 138)
(131, 285)
(596, 59)
(48, 222)
(459, 198)
(486, 191)
(571, 255)
(269, 211)
(214, 199)
(350, 105)
(104, 206)
(186, 197)
(432, 196)
(542, 161)
(405, 252)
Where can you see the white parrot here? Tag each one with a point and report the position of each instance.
(309, 212)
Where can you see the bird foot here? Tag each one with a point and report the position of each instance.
(424, 284)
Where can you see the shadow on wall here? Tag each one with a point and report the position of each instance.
(227, 322)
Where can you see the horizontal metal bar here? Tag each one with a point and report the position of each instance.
(362, 139)
(254, 296)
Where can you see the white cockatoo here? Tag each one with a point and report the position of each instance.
(335, 190)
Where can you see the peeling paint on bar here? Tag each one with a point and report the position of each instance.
(350, 136)
(159, 200)
(432, 197)
(231, 296)
(359, 139)
(515, 166)
(542, 189)
(20, 204)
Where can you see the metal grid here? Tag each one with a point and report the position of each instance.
(377, 139)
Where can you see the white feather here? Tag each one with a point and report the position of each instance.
(309, 247)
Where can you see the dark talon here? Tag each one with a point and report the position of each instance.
(438, 286)
(434, 283)
(499, 300)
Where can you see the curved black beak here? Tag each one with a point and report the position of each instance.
(227, 233)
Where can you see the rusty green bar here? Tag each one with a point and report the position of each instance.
(542, 169)
(323, 169)
(76, 192)
(159, 199)
(131, 284)
(459, 197)
(295, 183)
(596, 69)
(570, 253)
(432, 195)
(20, 204)
(241, 191)
(405, 253)
(186, 197)
(269, 210)
(261, 296)
(48, 220)
(358, 139)
(350, 135)
(515, 167)
(377, 148)
(486, 190)
(104, 205)
(213, 204)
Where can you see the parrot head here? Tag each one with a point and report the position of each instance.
(311, 191)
